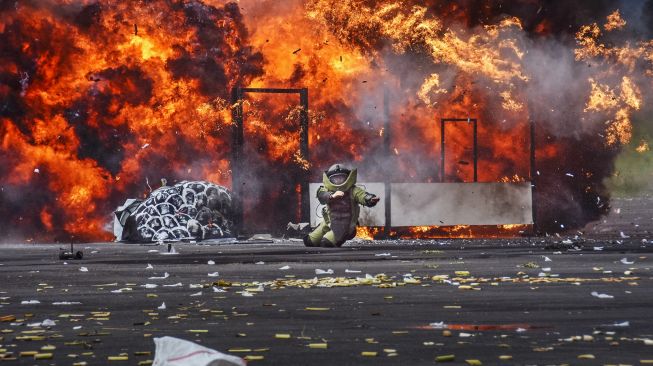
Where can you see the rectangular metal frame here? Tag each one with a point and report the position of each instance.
(238, 138)
(442, 145)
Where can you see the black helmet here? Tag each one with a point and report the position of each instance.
(338, 173)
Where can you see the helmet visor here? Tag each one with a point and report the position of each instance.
(338, 178)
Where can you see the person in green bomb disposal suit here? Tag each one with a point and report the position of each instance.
(342, 199)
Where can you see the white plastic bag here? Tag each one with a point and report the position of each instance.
(171, 351)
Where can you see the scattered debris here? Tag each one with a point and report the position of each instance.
(165, 275)
(602, 296)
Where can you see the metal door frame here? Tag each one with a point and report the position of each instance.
(442, 157)
(238, 138)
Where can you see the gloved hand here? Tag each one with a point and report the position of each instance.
(337, 194)
(371, 200)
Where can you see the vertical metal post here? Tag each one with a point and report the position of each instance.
(475, 151)
(533, 177)
(236, 156)
(303, 150)
(442, 150)
(388, 155)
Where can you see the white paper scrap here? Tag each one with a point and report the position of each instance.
(602, 296)
(165, 275)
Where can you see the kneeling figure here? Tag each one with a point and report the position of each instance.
(342, 199)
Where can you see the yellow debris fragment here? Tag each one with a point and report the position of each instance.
(145, 363)
(317, 345)
(369, 354)
(282, 336)
(48, 347)
(474, 362)
(43, 356)
(238, 350)
(412, 281)
(505, 357)
(118, 358)
(445, 358)
(198, 331)
(462, 273)
(27, 353)
(587, 356)
(253, 358)
(317, 309)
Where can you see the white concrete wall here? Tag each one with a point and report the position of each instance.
(446, 204)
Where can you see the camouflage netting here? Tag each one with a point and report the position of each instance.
(188, 210)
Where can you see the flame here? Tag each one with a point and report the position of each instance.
(603, 98)
(614, 21)
(368, 232)
(463, 231)
(642, 147)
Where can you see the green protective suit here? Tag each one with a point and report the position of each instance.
(340, 215)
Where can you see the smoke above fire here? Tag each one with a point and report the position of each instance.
(99, 100)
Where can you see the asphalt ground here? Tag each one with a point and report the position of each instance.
(498, 301)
